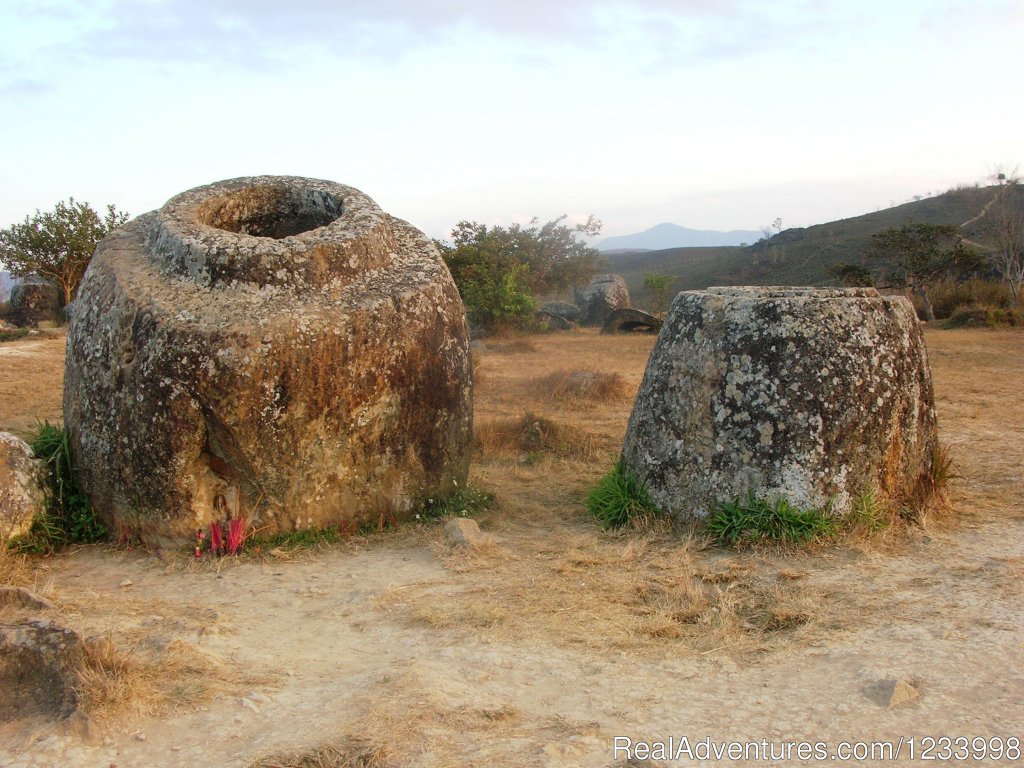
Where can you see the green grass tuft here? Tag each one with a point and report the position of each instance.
(620, 498)
(12, 334)
(462, 502)
(757, 521)
(868, 513)
(69, 518)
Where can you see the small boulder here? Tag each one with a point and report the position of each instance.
(600, 297)
(555, 322)
(563, 309)
(903, 692)
(21, 494)
(628, 320)
(19, 597)
(464, 532)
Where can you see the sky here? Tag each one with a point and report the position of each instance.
(712, 114)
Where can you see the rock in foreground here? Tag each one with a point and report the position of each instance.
(39, 670)
(21, 494)
(275, 349)
(814, 395)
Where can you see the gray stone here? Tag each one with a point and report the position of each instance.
(464, 532)
(555, 322)
(600, 297)
(564, 309)
(35, 302)
(273, 349)
(628, 320)
(814, 395)
(21, 492)
(39, 666)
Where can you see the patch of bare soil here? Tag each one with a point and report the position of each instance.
(539, 650)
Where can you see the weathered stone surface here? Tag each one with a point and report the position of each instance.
(564, 309)
(19, 597)
(814, 395)
(628, 320)
(35, 301)
(464, 532)
(599, 298)
(39, 664)
(21, 493)
(555, 322)
(272, 348)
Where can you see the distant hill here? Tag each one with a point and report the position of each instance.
(673, 236)
(802, 256)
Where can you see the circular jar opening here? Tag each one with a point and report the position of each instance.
(274, 211)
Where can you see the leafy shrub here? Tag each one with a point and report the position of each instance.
(758, 521)
(620, 498)
(12, 334)
(975, 316)
(68, 518)
(499, 270)
(950, 295)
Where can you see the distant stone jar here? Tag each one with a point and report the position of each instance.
(600, 297)
(273, 349)
(814, 395)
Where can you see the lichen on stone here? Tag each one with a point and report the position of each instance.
(275, 348)
(814, 395)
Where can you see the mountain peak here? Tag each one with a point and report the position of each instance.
(669, 235)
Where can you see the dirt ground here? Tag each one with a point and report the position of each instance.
(393, 650)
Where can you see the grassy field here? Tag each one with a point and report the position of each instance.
(537, 650)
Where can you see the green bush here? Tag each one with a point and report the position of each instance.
(619, 498)
(12, 334)
(68, 517)
(950, 295)
(499, 270)
(758, 521)
(980, 316)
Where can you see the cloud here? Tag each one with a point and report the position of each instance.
(25, 87)
(267, 33)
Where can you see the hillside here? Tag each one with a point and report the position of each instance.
(802, 256)
(674, 236)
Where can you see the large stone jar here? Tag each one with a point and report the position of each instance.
(274, 349)
(814, 395)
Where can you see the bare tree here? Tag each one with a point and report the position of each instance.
(1005, 228)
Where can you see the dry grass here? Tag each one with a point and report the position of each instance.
(31, 372)
(14, 569)
(151, 678)
(639, 591)
(533, 434)
(347, 753)
(569, 386)
(409, 721)
(519, 345)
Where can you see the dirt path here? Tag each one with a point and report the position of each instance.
(451, 660)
